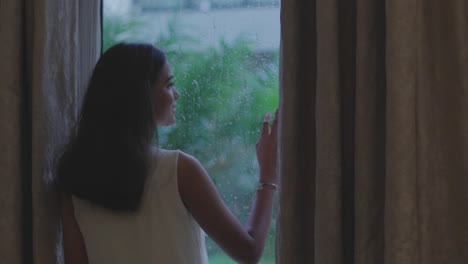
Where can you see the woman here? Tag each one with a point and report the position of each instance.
(126, 201)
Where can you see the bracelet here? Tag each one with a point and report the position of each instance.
(266, 185)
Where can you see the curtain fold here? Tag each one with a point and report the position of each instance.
(11, 112)
(374, 132)
(302, 56)
(49, 51)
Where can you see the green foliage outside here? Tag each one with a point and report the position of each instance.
(225, 92)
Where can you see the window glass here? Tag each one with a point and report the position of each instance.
(224, 55)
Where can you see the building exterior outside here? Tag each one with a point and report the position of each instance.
(208, 20)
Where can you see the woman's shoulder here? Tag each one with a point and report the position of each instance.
(189, 166)
(182, 156)
(185, 162)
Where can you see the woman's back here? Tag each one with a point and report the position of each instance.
(107, 160)
(161, 231)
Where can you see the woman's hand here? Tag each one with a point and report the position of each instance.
(267, 149)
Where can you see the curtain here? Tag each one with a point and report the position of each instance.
(374, 132)
(48, 51)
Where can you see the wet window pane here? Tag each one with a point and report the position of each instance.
(224, 55)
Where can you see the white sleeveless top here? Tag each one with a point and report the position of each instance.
(161, 231)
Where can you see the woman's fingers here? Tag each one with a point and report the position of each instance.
(275, 121)
(274, 128)
(266, 124)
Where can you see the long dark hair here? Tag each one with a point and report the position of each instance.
(108, 156)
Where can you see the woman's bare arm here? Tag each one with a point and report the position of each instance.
(242, 243)
(73, 244)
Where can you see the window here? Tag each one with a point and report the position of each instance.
(154, 5)
(224, 55)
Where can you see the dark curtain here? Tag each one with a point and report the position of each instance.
(374, 132)
(48, 49)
